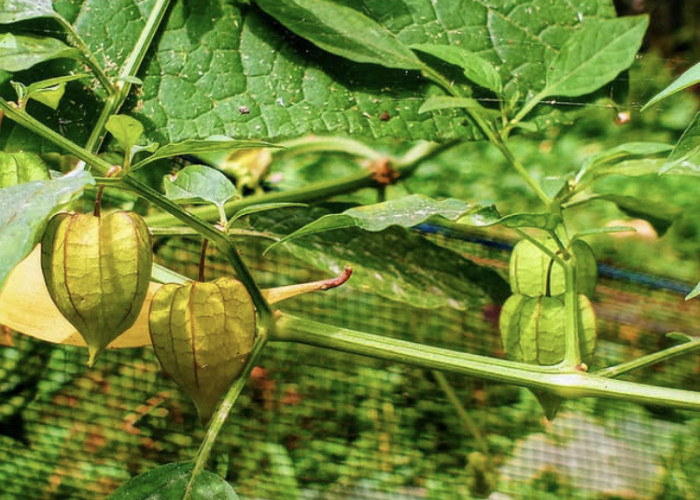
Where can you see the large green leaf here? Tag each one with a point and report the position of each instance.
(168, 482)
(396, 263)
(227, 68)
(658, 214)
(12, 11)
(342, 31)
(199, 184)
(595, 55)
(24, 210)
(20, 52)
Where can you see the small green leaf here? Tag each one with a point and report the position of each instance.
(24, 210)
(49, 92)
(342, 31)
(594, 55)
(680, 336)
(695, 292)
(685, 157)
(21, 167)
(659, 215)
(198, 146)
(168, 482)
(12, 11)
(476, 68)
(690, 77)
(199, 184)
(125, 129)
(20, 52)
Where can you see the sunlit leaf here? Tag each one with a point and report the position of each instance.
(476, 69)
(20, 52)
(687, 79)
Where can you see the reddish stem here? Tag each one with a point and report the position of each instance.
(98, 200)
(203, 258)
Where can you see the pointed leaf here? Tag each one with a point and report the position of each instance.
(395, 263)
(24, 210)
(342, 31)
(487, 216)
(476, 69)
(437, 103)
(685, 157)
(595, 55)
(199, 184)
(20, 52)
(695, 292)
(659, 215)
(198, 146)
(21, 167)
(125, 129)
(49, 92)
(168, 482)
(12, 11)
(406, 212)
(263, 207)
(598, 166)
(690, 77)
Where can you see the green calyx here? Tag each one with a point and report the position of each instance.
(97, 270)
(203, 334)
(532, 272)
(533, 329)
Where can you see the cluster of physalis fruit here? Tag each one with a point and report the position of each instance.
(97, 270)
(533, 320)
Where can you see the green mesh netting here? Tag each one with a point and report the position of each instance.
(320, 424)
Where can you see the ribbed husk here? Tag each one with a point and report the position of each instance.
(97, 271)
(202, 334)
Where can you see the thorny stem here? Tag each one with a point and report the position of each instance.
(571, 384)
(222, 412)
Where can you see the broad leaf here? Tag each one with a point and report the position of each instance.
(595, 55)
(396, 263)
(243, 75)
(687, 79)
(12, 11)
(476, 69)
(125, 129)
(20, 52)
(21, 167)
(342, 31)
(685, 157)
(659, 215)
(168, 482)
(200, 146)
(199, 184)
(24, 210)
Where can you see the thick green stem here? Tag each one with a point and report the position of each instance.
(566, 385)
(649, 359)
(572, 326)
(221, 415)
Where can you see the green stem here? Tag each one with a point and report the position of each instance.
(566, 385)
(468, 422)
(522, 171)
(221, 415)
(129, 68)
(88, 57)
(572, 327)
(315, 144)
(314, 191)
(649, 359)
(527, 108)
